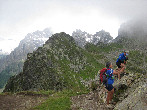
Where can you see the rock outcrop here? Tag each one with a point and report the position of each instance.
(130, 92)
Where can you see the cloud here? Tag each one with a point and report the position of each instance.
(19, 17)
(125, 9)
(2, 39)
(17, 10)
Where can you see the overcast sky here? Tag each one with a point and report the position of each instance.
(19, 17)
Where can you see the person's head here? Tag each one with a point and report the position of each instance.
(125, 53)
(109, 65)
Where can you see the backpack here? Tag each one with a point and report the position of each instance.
(103, 76)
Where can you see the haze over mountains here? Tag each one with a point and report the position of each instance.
(3, 53)
(12, 64)
(134, 29)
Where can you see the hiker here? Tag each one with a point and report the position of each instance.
(121, 61)
(109, 85)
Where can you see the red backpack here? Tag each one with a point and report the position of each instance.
(103, 77)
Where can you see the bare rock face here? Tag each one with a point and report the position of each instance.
(130, 92)
(137, 100)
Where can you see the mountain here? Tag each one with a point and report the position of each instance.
(134, 29)
(82, 38)
(133, 35)
(63, 66)
(102, 36)
(2, 53)
(130, 90)
(2, 56)
(12, 64)
(71, 64)
(54, 65)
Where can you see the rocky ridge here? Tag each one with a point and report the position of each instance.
(53, 66)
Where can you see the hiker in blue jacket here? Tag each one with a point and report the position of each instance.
(121, 61)
(109, 85)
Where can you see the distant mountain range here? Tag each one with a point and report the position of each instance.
(13, 63)
(3, 53)
(82, 38)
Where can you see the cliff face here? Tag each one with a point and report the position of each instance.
(134, 97)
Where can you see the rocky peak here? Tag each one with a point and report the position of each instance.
(102, 36)
(38, 36)
(82, 38)
(33, 40)
(59, 37)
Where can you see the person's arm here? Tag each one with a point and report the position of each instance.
(118, 72)
(115, 72)
(123, 68)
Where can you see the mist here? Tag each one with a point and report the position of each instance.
(20, 17)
